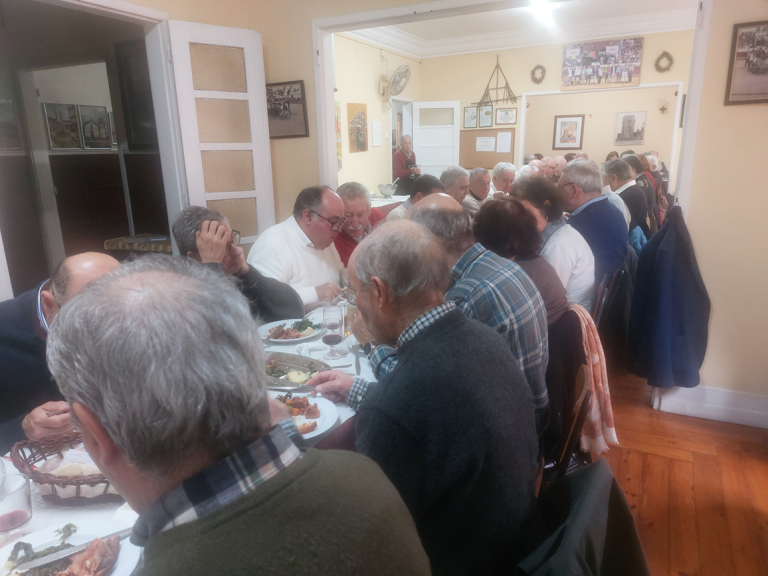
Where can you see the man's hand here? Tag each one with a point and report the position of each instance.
(38, 425)
(416, 170)
(277, 411)
(333, 385)
(360, 331)
(327, 292)
(212, 241)
(234, 262)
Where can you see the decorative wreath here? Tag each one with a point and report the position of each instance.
(536, 78)
(664, 56)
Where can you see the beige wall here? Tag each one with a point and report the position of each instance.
(358, 70)
(727, 214)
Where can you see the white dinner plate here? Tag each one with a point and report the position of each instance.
(328, 413)
(264, 332)
(87, 530)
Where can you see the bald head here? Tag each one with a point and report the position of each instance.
(438, 200)
(447, 220)
(561, 163)
(538, 164)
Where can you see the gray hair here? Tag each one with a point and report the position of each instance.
(529, 158)
(406, 256)
(353, 191)
(404, 136)
(475, 173)
(526, 171)
(653, 161)
(501, 166)
(452, 227)
(585, 174)
(617, 168)
(164, 352)
(309, 199)
(188, 222)
(451, 175)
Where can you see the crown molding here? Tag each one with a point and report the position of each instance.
(400, 42)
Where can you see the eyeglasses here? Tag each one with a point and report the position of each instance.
(566, 184)
(334, 225)
(235, 237)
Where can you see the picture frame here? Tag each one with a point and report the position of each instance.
(748, 65)
(602, 64)
(287, 110)
(470, 117)
(627, 131)
(94, 127)
(569, 132)
(357, 126)
(136, 95)
(506, 116)
(63, 126)
(485, 116)
(112, 128)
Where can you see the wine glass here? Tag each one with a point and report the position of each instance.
(15, 502)
(333, 324)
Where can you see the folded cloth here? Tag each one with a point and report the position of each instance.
(599, 429)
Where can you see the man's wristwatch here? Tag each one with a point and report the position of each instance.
(369, 347)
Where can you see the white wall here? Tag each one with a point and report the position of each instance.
(85, 84)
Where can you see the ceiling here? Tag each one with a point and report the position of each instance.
(573, 20)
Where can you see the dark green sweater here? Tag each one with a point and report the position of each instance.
(331, 512)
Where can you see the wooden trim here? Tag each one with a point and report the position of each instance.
(715, 404)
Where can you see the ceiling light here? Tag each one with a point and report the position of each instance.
(543, 11)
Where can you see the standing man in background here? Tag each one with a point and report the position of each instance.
(404, 166)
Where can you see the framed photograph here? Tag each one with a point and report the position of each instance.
(506, 116)
(748, 67)
(94, 126)
(470, 117)
(602, 64)
(569, 132)
(112, 128)
(287, 110)
(357, 118)
(136, 94)
(630, 128)
(486, 116)
(63, 128)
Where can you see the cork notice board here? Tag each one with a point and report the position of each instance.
(470, 158)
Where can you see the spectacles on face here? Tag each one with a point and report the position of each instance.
(235, 238)
(564, 185)
(334, 225)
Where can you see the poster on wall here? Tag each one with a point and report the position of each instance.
(506, 116)
(94, 125)
(470, 117)
(357, 116)
(748, 68)
(10, 137)
(486, 116)
(287, 110)
(569, 132)
(63, 129)
(376, 133)
(337, 114)
(630, 128)
(602, 64)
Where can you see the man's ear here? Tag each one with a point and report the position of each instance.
(49, 305)
(381, 291)
(194, 255)
(96, 439)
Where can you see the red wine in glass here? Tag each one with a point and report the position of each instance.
(332, 331)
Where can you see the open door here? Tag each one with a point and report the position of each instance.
(436, 135)
(220, 88)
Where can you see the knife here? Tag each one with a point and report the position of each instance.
(66, 553)
(357, 362)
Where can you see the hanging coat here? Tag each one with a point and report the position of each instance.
(669, 319)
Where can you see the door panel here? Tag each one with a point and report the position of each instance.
(436, 135)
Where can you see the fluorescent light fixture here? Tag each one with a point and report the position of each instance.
(543, 12)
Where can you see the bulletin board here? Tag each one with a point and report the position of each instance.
(469, 158)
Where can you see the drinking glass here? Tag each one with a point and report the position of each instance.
(333, 325)
(15, 502)
(349, 318)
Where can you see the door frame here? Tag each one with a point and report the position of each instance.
(404, 101)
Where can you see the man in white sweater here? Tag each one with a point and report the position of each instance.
(300, 250)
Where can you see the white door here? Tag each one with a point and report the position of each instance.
(436, 135)
(408, 119)
(220, 87)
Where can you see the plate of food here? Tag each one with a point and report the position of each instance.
(113, 556)
(291, 370)
(289, 331)
(313, 416)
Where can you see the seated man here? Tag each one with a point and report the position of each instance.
(423, 186)
(503, 177)
(300, 250)
(456, 182)
(561, 163)
(550, 166)
(177, 418)
(32, 406)
(205, 235)
(453, 424)
(594, 217)
(360, 217)
(617, 177)
(479, 188)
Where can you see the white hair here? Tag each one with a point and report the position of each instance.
(353, 191)
(501, 166)
(526, 170)
(585, 174)
(451, 175)
(475, 173)
(653, 161)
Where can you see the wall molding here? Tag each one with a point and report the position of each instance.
(401, 42)
(714, 404)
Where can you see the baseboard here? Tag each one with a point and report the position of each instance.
(715, 404)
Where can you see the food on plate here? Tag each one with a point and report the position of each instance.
(296, 376)
(301, 408)
(307, 427)
(306, 328)
(299, 329)
(96, 560)
(15, 560)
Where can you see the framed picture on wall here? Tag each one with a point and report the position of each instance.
(569, 132)
(486, 116)
(357, 118)
(112, 128)
(506, 116)
(470, 117)
(748, 67)
(63, 129)
(94, 126)
(136, 95)
(287, 110)
(602, 64)
(630, 128)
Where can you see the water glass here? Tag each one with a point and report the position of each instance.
(15, 502)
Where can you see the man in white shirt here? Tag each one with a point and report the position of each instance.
(502, 178)
(479, 188)
(423, 186)
(300, 250)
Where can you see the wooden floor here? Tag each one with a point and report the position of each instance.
(698, 488)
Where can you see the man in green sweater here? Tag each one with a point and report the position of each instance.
(163, 368)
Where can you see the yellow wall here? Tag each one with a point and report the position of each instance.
(358, 70)
(727, 213)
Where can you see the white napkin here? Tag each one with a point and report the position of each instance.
(306, 349)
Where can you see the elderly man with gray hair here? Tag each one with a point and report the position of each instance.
(360, 218)
(170, 397)
(452, 425)
(502, 178)
(479, 189)
(456, 182)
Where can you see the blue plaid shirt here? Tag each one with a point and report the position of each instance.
(498, 293)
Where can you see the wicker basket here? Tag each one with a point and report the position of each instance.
(25, 455)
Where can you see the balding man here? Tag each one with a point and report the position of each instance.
(300, 250)
(404, 168)
(502, 178)
(452, 425)
(538, 164)
(456, 182)
(550, 165)
(561, 163)
(479, 190)
(30, 396)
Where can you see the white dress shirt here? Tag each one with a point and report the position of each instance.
(571, 257)
(284, 252)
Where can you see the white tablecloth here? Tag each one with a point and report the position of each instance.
(378, 201)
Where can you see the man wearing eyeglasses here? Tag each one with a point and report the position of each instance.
(300, 251)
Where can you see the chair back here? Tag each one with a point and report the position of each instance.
(579, 414)
(605, 296)
(342, 438)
